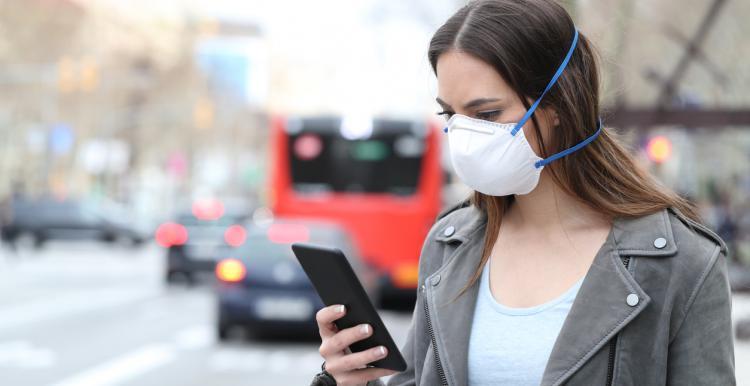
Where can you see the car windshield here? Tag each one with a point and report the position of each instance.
(189, 220)
(259, 247)
(205, 230)
(48, 209)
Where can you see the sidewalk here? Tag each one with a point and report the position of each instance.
(741, 310)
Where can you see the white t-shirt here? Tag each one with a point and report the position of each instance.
(511, 346)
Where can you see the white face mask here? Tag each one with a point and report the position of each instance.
(495, 158)
(489, 159)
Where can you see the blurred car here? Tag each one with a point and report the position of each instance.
(198, 236)
(262, 287)
(33, 222)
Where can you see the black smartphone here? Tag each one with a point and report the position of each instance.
(336, 283)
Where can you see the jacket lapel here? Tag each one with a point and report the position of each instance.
(599, 312)
(451, 318)
(601, 307)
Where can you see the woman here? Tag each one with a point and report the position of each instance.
(569, 264)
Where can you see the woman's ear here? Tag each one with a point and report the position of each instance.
(555, 118)
(551, 117)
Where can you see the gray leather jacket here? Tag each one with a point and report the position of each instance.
(654, 308)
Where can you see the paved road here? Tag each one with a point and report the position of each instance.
(89, 314)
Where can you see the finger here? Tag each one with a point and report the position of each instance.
(361, 376)
(325, 317)
(356, 360)
(344, 338)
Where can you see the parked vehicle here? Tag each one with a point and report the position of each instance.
(198, 236)
(262, 287)
(33, 222)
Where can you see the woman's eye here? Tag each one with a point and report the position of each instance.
(491, 115)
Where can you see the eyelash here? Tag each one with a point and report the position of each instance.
(490, 115)
(445, 113)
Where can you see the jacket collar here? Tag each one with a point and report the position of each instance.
(599, 312)
(632, 236)
(639, 236)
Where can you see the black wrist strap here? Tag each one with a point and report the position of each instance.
(323, 378)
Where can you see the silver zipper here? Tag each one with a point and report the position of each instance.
(613, 343)
(441, 372)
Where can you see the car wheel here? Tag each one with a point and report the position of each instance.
(190, 279)
(131, 241)
(28, 240)
(223, 326)
(174, 277)
(181, 277)
(222, 332)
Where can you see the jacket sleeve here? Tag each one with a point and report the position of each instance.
(702, 350)
(429, 261)
(406, 377)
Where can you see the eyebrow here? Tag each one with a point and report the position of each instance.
(474, 103)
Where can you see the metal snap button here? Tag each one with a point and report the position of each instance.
(449, 231)
(632, 300)
(435, 280)
(660, 243)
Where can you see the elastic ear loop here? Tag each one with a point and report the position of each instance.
(552, 81)
(573, 149)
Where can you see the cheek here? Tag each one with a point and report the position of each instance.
(529, 130)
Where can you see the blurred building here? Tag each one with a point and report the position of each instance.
(156, 102)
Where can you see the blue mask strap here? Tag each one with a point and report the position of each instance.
(552, 81)
(539, 164)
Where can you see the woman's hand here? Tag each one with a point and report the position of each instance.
(346, 367)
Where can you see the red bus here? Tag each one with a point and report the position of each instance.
(379, 178)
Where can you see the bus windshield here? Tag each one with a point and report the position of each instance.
(388, 160)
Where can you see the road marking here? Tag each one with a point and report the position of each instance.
(24, 354)
(64, 306)
(261, 360)
(122, 368)
(236, 359)
(196, 337)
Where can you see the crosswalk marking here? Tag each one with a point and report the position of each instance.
(196, 337)
(24, 354)
(69, 304)
(123, 368)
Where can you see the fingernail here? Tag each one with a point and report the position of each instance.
(381, 351)
(365, 329)
(340, 309)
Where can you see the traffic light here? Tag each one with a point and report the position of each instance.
(659, 149)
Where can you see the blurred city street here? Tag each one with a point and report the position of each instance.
(158, 159)
(80, 314)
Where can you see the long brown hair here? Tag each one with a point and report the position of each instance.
(525, 41)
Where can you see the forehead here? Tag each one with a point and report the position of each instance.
(462, 77)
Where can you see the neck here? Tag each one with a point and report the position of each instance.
(549, 208)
